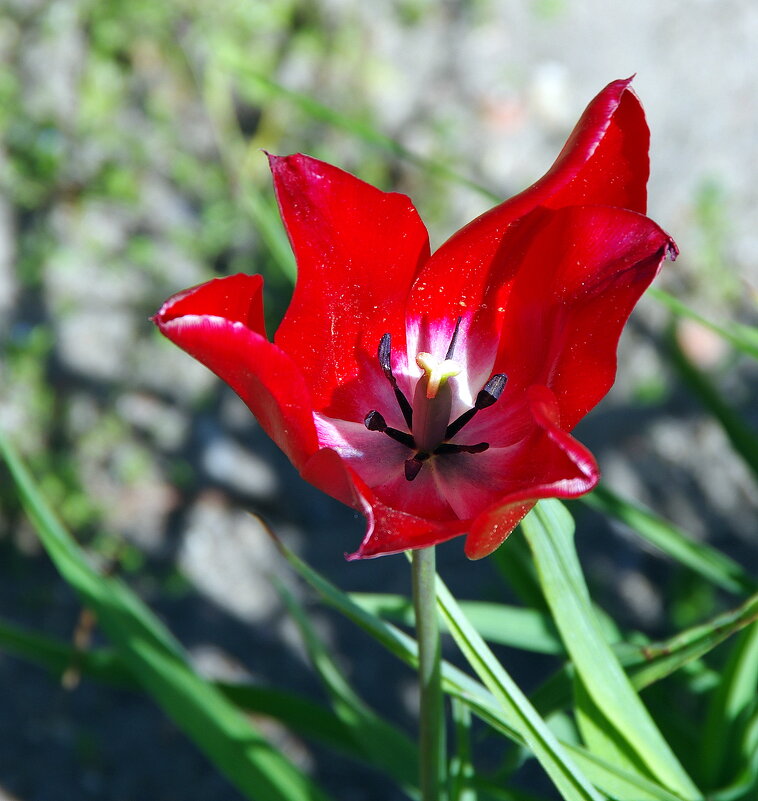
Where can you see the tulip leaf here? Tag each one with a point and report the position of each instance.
(518, 710)
(516, 565)
(382, 744)
(600, 736)
(158, 662)
(742, 437)
(619, 784)
(58, 657)
(649, 663)
(703, 559)
(549, 530)
(461, 771)
(304, 717)
(610, 780)
(514, 626)
(743, 337)
(744, 786)
(732, 703)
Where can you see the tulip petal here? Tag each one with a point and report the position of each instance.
(579, 273)
(220, 323)
(548, 464)
(604, 162)
(358, 250)
(388, 530)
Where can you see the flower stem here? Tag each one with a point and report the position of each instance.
(432, 712)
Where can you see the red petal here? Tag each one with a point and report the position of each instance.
(221, 324)
(358, 250)
(552, 465)
(238, 298)
(388, 530)
(604, 161)
(579, 273)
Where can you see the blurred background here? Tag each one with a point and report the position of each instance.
(131, 167)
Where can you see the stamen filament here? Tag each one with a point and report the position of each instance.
(453, 340)
(487, 396)
(374, 421)
(449, 447)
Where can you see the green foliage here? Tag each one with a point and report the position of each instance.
(175, 100)
(157, 661)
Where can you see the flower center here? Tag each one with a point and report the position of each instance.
(428, 418)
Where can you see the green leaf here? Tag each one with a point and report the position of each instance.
(482, 703)
(58, 657)
(650, 663)
(518, 710)
(708, 562)
(498, 623)
(235, 157)
(516, 565)
(301, 715)
(600, 736)
(157, 660)
(745, 784)
(382, 744)
(731, 705)
(743, 337)
(361, 130)
(619, 784)
(462, 771)
(549, 530)
(742, 437)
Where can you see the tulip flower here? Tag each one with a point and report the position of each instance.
(436, 393)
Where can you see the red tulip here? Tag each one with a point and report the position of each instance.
(435, 393)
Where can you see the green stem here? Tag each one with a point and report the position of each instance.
(432, 712)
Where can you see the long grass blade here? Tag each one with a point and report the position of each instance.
(514, 626)
(382, 744)
(478, 698)
(731, 705)
(549, 530)
(522, 716)
(701, 558)
(157, 660)
(743, 337)
(302, 716)
(742, 437)
(270, 88)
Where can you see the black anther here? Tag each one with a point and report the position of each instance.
(493, 389)
(385, 362)
(375, 422)
(414, 464)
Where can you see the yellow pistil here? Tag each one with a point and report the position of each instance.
(437, 372)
